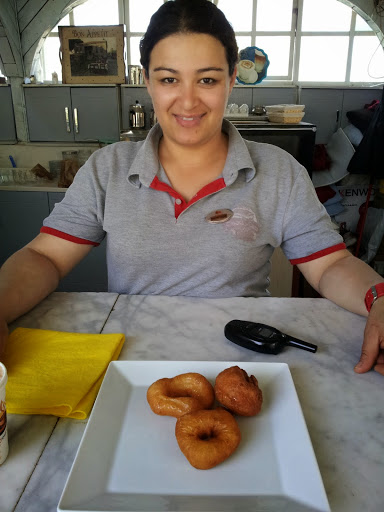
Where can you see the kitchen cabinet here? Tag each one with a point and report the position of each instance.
(7, 119)
(62, 113)
(21, 217)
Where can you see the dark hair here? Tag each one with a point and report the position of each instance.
(189, 16)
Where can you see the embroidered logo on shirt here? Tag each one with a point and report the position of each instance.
(218, 216)
(243, 225)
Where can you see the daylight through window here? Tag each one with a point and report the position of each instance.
(307, 41)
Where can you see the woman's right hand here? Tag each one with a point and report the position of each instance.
(3, 336)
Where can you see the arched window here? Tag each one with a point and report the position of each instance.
(307, 41)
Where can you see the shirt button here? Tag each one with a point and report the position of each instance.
(178, 201)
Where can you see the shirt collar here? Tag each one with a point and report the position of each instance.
(146, 164)
(238, 158)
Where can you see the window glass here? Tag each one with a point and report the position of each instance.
(64, 22)
(363, 69)
(94, 12)
(51, 58)
(139, 15)
(243, 42)
(135, 50)
(276, 15)
(277, 49)
(239, 18)
(323, 59)
(326, 15)
(361, 24)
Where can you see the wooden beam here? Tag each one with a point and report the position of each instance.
(12, 59)
(19, 109)
(29, 11)
(8, 18)
(2, 70)
(20, 4)
(6, 51)
(39, 26)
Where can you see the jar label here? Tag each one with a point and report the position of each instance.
(3, 432)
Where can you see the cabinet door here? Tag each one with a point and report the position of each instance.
(322, 108)
(97, 113)
(21, 217)
(7, 119)
(46, 113)
(90, 275)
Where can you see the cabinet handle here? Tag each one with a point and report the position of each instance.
(76, 120)
(67, 119)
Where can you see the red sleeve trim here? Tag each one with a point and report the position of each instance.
(66, 236)
(319, 254)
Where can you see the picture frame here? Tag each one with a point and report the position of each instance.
(92, 54)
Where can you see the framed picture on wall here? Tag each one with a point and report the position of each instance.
(92, 55)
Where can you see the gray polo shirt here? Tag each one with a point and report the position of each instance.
(159, 244)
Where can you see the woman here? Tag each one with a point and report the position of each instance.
(194, 209)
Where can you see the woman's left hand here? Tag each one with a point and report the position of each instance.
(372, 352)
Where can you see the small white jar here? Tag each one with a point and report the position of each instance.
(3, 415)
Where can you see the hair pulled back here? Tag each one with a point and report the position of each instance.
(189, 16)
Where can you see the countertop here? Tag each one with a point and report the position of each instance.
(343, 411)
(38, 186)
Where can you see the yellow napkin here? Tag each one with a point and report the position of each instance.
(59, 373)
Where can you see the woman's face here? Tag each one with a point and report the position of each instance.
(189, 85)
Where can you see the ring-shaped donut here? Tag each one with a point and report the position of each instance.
(207, 437)
(180, 395)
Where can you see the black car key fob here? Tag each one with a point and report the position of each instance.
(262, 338)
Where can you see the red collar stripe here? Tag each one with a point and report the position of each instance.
(209, 189)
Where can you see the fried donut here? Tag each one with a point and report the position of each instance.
(180, 395)
(207, 438)
(238, 392)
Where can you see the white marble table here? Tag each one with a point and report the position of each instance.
(343, 410)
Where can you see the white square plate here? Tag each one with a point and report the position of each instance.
(129, 459)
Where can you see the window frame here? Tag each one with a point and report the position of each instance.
(253, 33)
(295, 34)
(351, 34)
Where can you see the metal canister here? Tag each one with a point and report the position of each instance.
(135, 75)
(136, 115)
